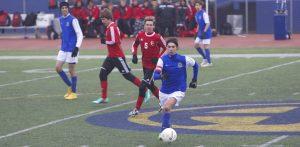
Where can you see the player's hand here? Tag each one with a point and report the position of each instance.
(134, 59)
(103, 40)
(75, 52)
(154, 60)
(203, 35)
(193, 83)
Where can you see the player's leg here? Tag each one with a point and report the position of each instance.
(148, 73)
(72, 63)
(206, 45)
(105, 70)
(197, 45)
(61, 58)
(123, 68)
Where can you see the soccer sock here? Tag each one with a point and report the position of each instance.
(136, 81)
(200, 51)
(64, 77)
(155, 91)
(104, 89)
(207, 52)
(165, 121)
(74, 83)
(139, 102)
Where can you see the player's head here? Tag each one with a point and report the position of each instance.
(199, 4)
(64, 8)
(149, 24)
(106, 16)
(172, 46)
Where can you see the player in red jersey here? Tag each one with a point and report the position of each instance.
(115, 58)
(151, 44)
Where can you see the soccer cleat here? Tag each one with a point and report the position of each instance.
(69, 91)
(204, 61)
(101, 100)
(207, 65)
(133, 113)
(71, 96)
(147, 96)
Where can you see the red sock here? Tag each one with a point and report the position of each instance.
(139, 102)
(104, 89)
(137, 82)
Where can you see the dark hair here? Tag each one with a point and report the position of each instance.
(61, 4)
(172, 40)
(106, 13)
(200, 2)
(150, 18)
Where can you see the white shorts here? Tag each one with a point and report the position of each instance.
(67, 57)
(178, 95)
(202, 41)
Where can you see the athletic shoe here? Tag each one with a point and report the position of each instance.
(207, 65)
(69, 91)
(204, 61)
(147, 96)
(71, 96)
(101, 100)
(133, 113)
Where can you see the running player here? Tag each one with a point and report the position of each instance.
(71, 39)
(115, 57)
(172, 70)
(151, 44)
(204, 33)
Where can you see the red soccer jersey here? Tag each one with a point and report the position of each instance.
(150, 46)
(113, 41)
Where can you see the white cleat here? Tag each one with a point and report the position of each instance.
(206, 64)
(133, 113)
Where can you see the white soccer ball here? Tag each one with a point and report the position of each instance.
(168, 135)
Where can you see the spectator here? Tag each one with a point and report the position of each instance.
(80, 13)
(147, 9)
(137, 20)
(125, 14)
(93, 20)
(164, 12)
(191, 22)
(182, 11)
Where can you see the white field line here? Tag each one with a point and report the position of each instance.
(275, 140)
(36, 57)
(53, 76)
(122, 104)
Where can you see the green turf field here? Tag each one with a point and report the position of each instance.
(34, 112)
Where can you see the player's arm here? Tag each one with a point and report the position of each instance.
(134, 48)
(157, 75)
(206, 20)
(194, 64)
(162, 45)
(79, 35)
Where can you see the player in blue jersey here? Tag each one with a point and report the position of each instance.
(204, 34)
(172, 70)
(71, 39)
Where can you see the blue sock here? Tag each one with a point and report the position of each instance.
(74, 82)
(65, 78)
(207, 52)
(200, 51)
(165, 121)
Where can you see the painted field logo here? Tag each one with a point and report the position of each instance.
(263, 118)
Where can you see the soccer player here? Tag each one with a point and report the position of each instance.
(151, 44)
(172, 70)
(204, 33)
(71, 39)
(115, 57)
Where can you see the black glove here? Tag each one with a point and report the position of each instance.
(134, 59)
(193, 83)
(75, 52)
(103, 40)
(203, 35)
(164, 76)
(154, 60)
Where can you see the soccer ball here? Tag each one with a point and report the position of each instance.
(168, 135)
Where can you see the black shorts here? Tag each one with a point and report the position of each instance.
(148, 74)
(111, 62)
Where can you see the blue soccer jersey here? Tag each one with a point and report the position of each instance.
(202, 20)
(175, 69)
(71, 35)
